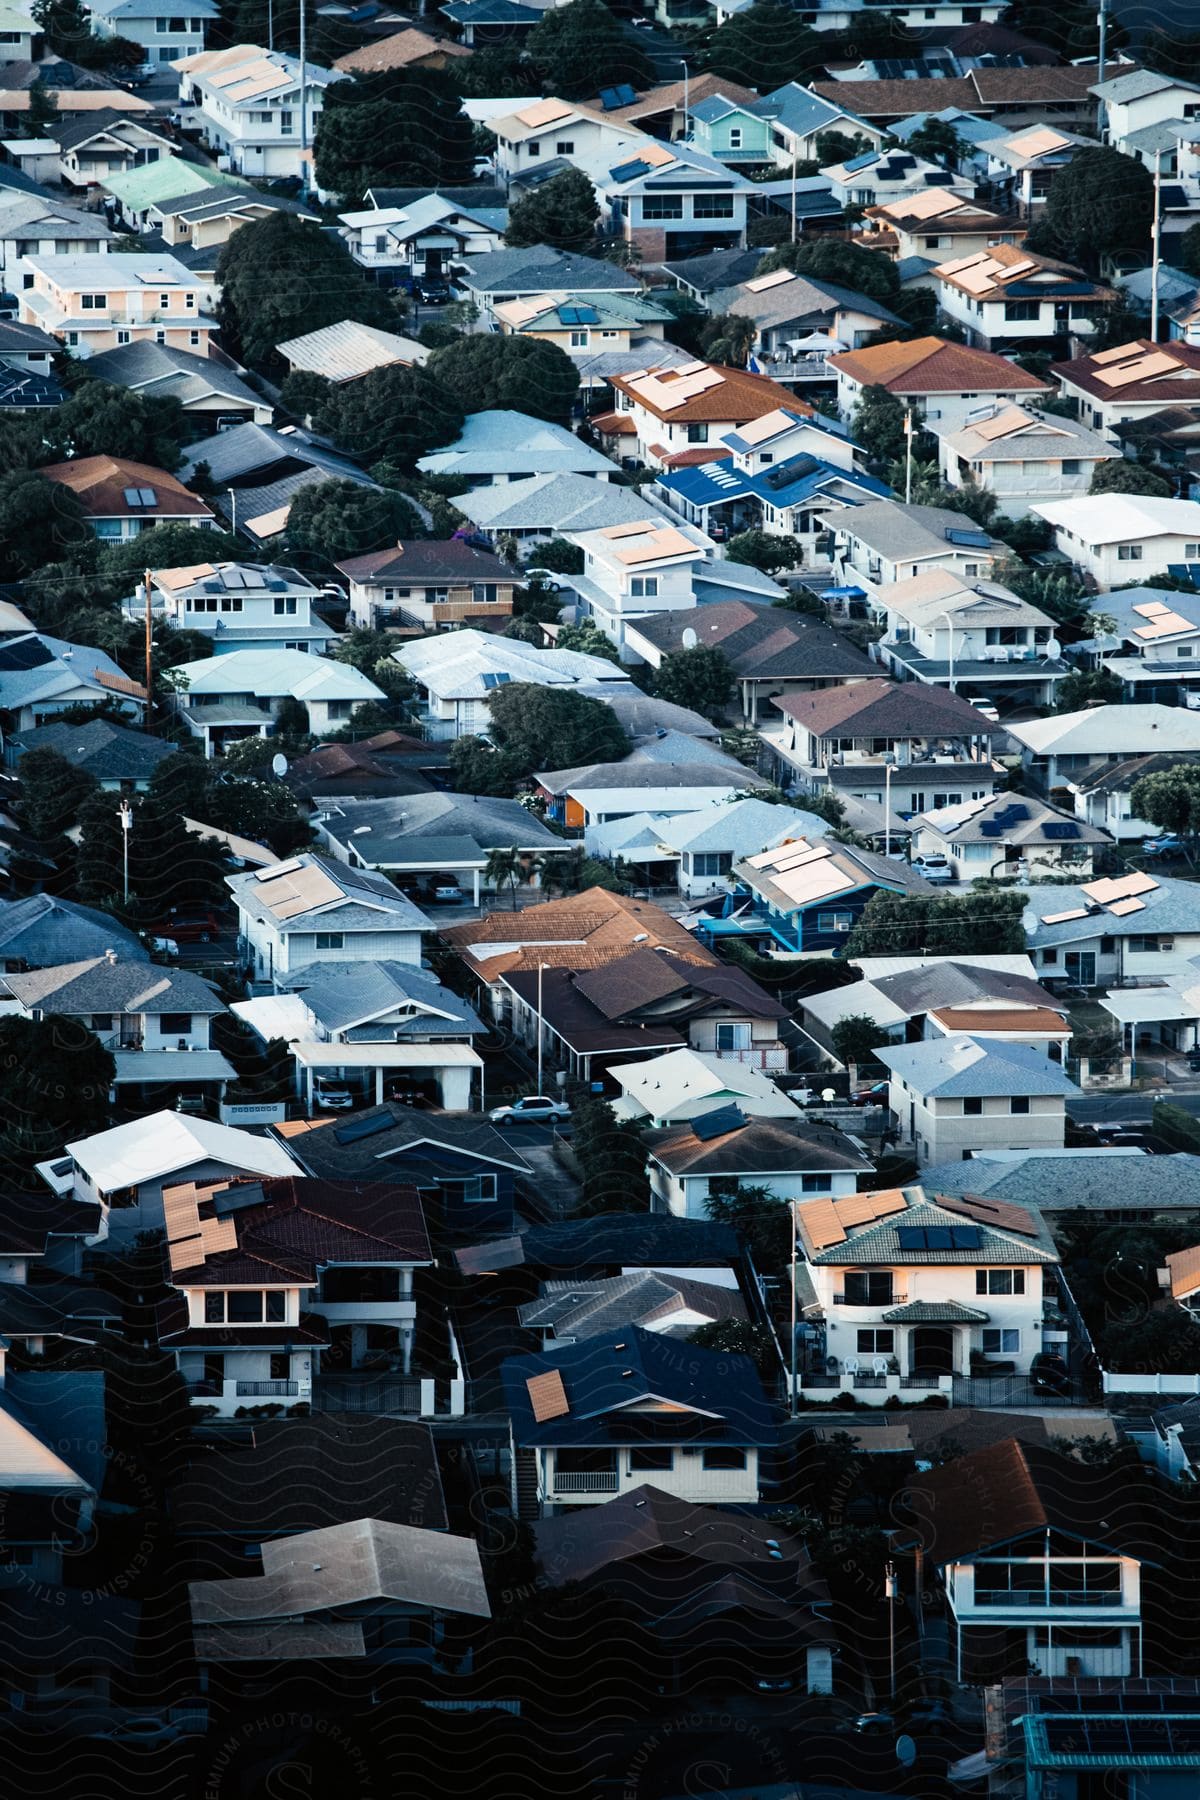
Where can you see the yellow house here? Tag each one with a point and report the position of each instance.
(95, 305)
(584, 325)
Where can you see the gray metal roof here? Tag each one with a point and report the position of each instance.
(569, 502)
(171, 372)
(940, 1068)
(1100, 1181)
(541, 270)
(239, 452)
(897, 531)
(427, 829)
(345, 995)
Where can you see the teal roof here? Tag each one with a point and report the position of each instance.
(163, 180)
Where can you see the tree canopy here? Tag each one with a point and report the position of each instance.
(283, 276)
(54, 1084)
(940, 925)
(395, 414)
(40, 522)
(878, 424)
(1170, 799)
(336, 518)
(1101, 204)
(102, 419)
(701, 678)
(1119, 476)
(393, 128)
(867, 272)
(52, 791)
(587, 638)
(582, 47)
(488, 371)
(562, 212)
(764, 46)
(765, 550)
(554, 728)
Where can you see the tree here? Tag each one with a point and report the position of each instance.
(336, 518)
(737, 1337)
(52, 791)
(939, 925)
(167, 547)
(1118, 476)
(488, 371)
(759, 1217)
(611, 1156)
(283, 276)
(701, 678)
(1115, 326)
(587, 638)
(1186, 254)
(728, 338)
(476, 767)
(563, 212)
(393, 128)
(849, 265)
(582, 48)
(764, 46)
(878, 425)
(557, 555)
(1101, 204)
(265, 811)
(1087, 687)
(308, 395)
(937, 141)
(554, 728)
(504, 869)
(40, 521)
(395, 414)
(102, 419)
(54, 1085)
(42, 116)
(765, 550)
(1170, 799)
(856, 1038)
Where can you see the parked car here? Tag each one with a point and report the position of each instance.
(530, 1107)
(332, 1096)
(406, 1093)
(929, 1715)
(934, 867)
(190, 927)
(872, 1724)
(443, 893)
(1049, 1373)
(432, 290)
(983, 705)
(1166, 844)
(871, 1093)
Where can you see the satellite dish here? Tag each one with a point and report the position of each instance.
(689, 639)
(1053, 649)
(279, 764)
(906, 1751)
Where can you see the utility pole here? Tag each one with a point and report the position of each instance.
(792, 1356)
(687, 107)
(149, 647)
(793, 199)
(889, 1591)
(125, 814)
(540, 1029)
(908, 457)
(1156, 242)
(303, 104)
(1102, 22)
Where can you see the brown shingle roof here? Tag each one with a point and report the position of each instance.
(737, 398)
(1086, 373)
(896, 98)
(883, 708)
(100, 483)
(671, 95)
(930, 365)
(423, 560)
(971, 1018)
(400, 51)
(594, 921)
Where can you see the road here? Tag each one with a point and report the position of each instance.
(1096, 1109)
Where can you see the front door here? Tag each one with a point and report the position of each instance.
(932, 1350)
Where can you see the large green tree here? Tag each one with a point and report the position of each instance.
(333, 519)
(701, 678)
(52, 791)
(396, 415)
(1101, 204)
(587, 638)
(54, 1085)
(1119, 476)
(1170, 799)
(765, 550)
(582, 47)
(878, 424)
(40, 522)
(102, 419)
(852, 266)
(562, 212)
(395, 128)
(553, 727)
(763, 46)
(283, 276)
(940, 925)
(488, 371)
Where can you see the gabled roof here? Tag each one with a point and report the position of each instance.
(1005, 819)
(1116, 518)
(885, 709)
(307, 890)
(349, 349)
(761, 643)
(164, 1143)
(104, 485)
(913, 1227)
(610, 1242)
(575, 1309)
(166, 371)
(101, 985)
(931, 365)
(940, 1068)
(1107, 730)
(538, 269)
(1139, 371)
(915, 533)
(706, 392)
(101, 747)
(402, 50)
(802, 874)
(1088, 1181)
(269, 674)
(754, 1147)
(425, 560)
(690, 1082)
(43, 929)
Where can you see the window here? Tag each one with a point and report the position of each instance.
(649, 1457)
(193, 339)
(999, 1281)
(94, 302)
(1015, 310)
(164, 301)
(713, 862)
(533, 149)
(329, 940)
(972, 1106)
(469, 1190)
(123, 337)
(175, 1024)
(102, 1021)
(1150, 946)
(1049, 956)
(1071, 465)
(1019, 1103)
(868, 1287)
(875, 1343)
(1191, 552)
(644, 587)
(712, 206)
(724, 1456)
(214, 1309)
(697, 434)
(286, 126)
(735, 137)
(1129, 553)
(565, 147)
(281, 1365)
(1004, 1342)
(285, 607)
(835, 921)
(733, 1035)
(661, 206)
(245, 1306)
(579, 340)
(947, 800)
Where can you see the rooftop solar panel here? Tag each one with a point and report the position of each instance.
(370, 1125)
(717, 1123)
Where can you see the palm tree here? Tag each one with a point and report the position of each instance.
(558, 873)
(504, 867)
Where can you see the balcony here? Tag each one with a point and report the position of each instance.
(772, 1057)
(591, 1481)
(267, 1390)
(899, 1297)
(1036, 1597)
(454, 612)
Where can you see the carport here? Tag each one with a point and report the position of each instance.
(452, 1066)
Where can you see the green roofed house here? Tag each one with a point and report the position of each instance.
(137, 189)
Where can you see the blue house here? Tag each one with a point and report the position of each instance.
(809, 897)
(730, 131)
(789, 498)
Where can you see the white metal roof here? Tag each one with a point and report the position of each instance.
(165, 1142)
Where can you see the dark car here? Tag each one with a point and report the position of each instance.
(200, 927)
(432, 290)
(1050, 1373)
(871, 1093)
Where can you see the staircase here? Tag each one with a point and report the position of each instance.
(525, 1481)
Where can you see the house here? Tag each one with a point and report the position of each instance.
(1025, 164)
(669, 775)
(220, 699)
(609, 334)
(506, 449)
(1135, 99)
(163, 35)
(937, 225)
(565, 1312)
(124, 1171)
(800, 116)
(239, 605)
(1045, 1573)
(1017, 96)
(581, 931)
(438, 837)
(196, 220)
(880, 174)
(921, 1286)
(466, 1172)
(98, 146)
(366, 769)
(897, 744)
(245, 103)
(1007, 298)
(771, 652)
(990, 996)
(1022, 457)
(722, 1151)
(136, 190)
(151, 298)
(349, 350)
(1124, 930)
(42, 930)
(252, 457)
(265, 1275)
(1059, 751)
(668, 201)
(635, 571)
(548, 506)
(591, 1420)
(310, 910)
(118, 759)
(728, 126)
(790, 500)
(884, 542)
(683, 1084)
(701, 276)
(789, 308)
(456, 671)
(439, 584)
(699, 848)
(667, 417)
(212, 396)
(936, 380)
(611, 1244)
(952, 1095)
(1112, 537)
(395, 245)
(156, 1021)
(554, 129)
(805, 898)
(1103, 793)
(1114, 1186)
(1131, 382)
(490, 277)
(121, 498)
(1007, 838)
(371, 1027)
(41, 676)
(408, 49)
(17, 32)
(706, 1581)
(643, 1001)
(37, 225)
(942, 628)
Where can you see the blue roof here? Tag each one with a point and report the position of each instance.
(786, 484)
(802, 112)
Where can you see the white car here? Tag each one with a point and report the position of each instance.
(530, 1108)
(332, 1097)
(934, 868)
(984, 706)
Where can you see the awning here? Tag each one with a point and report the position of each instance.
(969, 1769)
(386, 1056)
(171, 1066)
(843, 593)
(816, 340)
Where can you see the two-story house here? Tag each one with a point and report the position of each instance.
(953, 1095)
(238, 604)
(911, 1284)
(438, 584)
(268, 1274)
(667, 776)
(554, 130)
(237, 694)
(911, 746)
(804, 898)
(799, 118)
(936, 225)
(788, 308)
(34, 226)
(1023, 166)
(1022, 457)
(491, 276)
(1006, 298)
(1128, 930)
(668, 417)
(1124, 537)
(1153, 646)
(876, 175)
(311, 910)
(163, 34)
(1064, 755)
(395, 245)
(631, 572)
(1007, 838)
(1131, 101)
(120, 498)
(42, 676)
(156, 1021)
(731, 128)
(456, 671)
(94, 305)
(883, 542)
(1130, 382)
(1040, 1561)
(98, 147)
(246, 103)
(720, 1152)
(680, 1085)
(604, 334)
(666, 201)
(942, 629)
(936, 380)
(699, 848)
(591, 1420)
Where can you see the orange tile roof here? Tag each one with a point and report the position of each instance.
(1184, 1269)
(581, 931)
(930, 365)
(400, 51)
(737, 397)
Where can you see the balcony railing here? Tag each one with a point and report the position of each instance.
(1038, 1597)
(757, 1056)
(452, 612)
(896, 1298)
(267, 1390)
(593, 1481)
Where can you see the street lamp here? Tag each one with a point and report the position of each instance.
(889, 1594)
(686, 97)
(125, 814)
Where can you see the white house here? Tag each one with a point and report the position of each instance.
(930, 997)
(96, 304)
(164, 34)
(557, 130)
(456, 672)
(394, 245)
(673, 201)
(886, 541)
(239, 605)
(222, 698)
(32, 226)
(941, 628)
(1154, 646)
(1007, 838)
(938, 381)
(97, 149)
(310, 910)
(1129, 930)
(878, 175)
(937, 225)
(44, 676)
(787, 308)
(668, 416)
(245, 102)
(687, 1084)
(1141, 98)
(1022, 457)
(1131, 381)
(954, 1095)
(718, 1152)
(1025, 165)
(632, 571)
(702, 846)
(1007, 298)
(798, 117)
(1116, 538)
(903, 1278)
